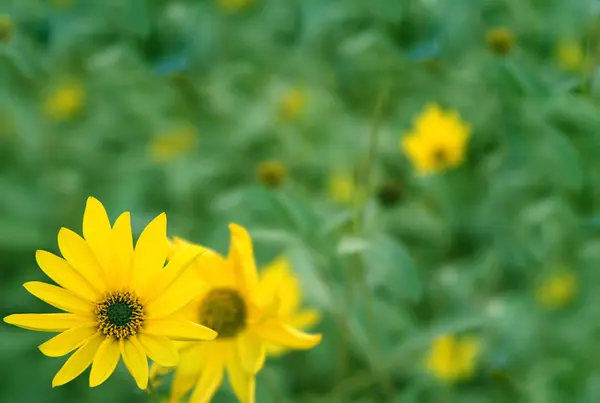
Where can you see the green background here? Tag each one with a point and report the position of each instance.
(459, 252)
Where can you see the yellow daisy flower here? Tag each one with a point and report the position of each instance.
(65, 101)
(173, 144)
(278, 281)
(453, 359)
(293, 104)
(570, 55)
(341, 187)
(557, 290)
(243, 313)
(118, 300)
(438, 141)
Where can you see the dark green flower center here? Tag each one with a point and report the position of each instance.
(440, 156)
(224, 311)
(120, 315)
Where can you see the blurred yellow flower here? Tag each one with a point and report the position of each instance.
(6, 28)
(65, 101)
(570, 55)
(341, 187)
(119, 300)
(245, 316)
(452, 359)
(278, 281)
(438, 141)
(232, 6)
(557, 290)
(293, 104)
(500, 40)
(173, 144)
(271, 173)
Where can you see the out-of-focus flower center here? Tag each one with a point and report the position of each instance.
(120, 315)
(440, 156)
(224, 311)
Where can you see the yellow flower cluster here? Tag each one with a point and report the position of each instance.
(162, 300)
(453, 359)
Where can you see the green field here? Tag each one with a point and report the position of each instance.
(430, 169)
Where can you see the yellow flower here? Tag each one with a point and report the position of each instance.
(118, 301)
(232, 6)
(453, 359)
(65, 101)
(557, 290)
(271, 173)
(438, 141)
(245, 317)
(6, 28)
(570, 55)
(500, 40)
(277, 281)
(341, 187)
(173, 144)
(293, 104)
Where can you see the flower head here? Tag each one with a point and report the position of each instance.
(6, 28)
(232, 6)
(570, 55)
(246, 316)
(341, 187)
(65, 101)
(438, 141)
(453, 359)
(500, 40)
(293, 104)
(557, 290)
(118, 301)
(173, 144)
(271, 173)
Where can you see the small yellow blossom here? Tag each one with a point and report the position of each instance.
(437, 142)
(570, 55)
(500, 40)
(277, 280)
(173, 144)
(452, 359)
(6, 28)
(342, 187)
(557, 290)
(232, 6)
(65, 101)
(293, 104)
(271, 173)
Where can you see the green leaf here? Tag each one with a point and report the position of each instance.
(389, 265)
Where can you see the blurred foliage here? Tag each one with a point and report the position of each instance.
(162, 105)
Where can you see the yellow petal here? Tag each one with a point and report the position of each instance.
(208, 383)
(305, 319)
(150, 252)
(251, 351)
(79, 361)
(105, 362)
(277, 279)
(46, 322)
(179, 330)
(135, 360)
(96, 231)
(241, 257)
(160, 349)
(187, 287)
(59, 297)
(80, 256)
(242, 383)
(65, 276)
(67, 341)
(191, 357)
(215, 270)
(182, 384)
(179, 263)
(122, 249)
(286, 336)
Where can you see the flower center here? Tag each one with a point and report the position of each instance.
(224, 311)
(440, 156)
(120, 315)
